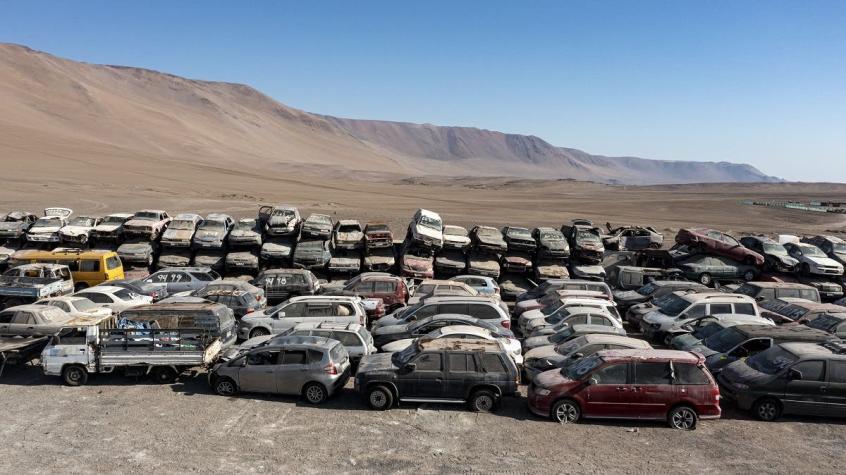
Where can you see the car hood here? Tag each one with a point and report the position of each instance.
(449, 262)
(551, 378)
(75, 230)
(209, 235)
(135, 248)
(241, 256)
(430, 232)
(740, 372)
(629, 296)
(536, 341)
(276, 248)
(279, 220)
(353, 236)
(702, 349)
(398, 345)
(344, 261)
(417, 263)
(590, 245)
(44, 229)
(107, 228)
(379, 259)
(243, 234)
(455, 240)
(685, 341)
(787, 260)
(488, 264)
(389, 330)
(552, 270)
(531, 315)
(140, 223)
(208, 259)
(175, 260)
(178, 234)
(517, 260)
(555, 245)
(823, 261)
(376, 362)
(538, 352)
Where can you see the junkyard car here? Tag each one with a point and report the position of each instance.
(391, 289)
(312, 255)
(348, 234)
(212, 232)
(282, 220)
(828, 289)
(450, 262)
(587, 272)
(317, 226)
(417, 262)
(281, 284)
(78, 230)
(812, 260)
(707, 241)
(652, 291)
(180, 231)
(32, 320)
(379, 260)
(569, 332)
(426, 229)
(281, 249)
(46, 229)
(147, 224)
(680, 307)
(312, 308)
(545, 358)
(137, 252)
(466, 332)
(355, 338)
(832, 246)
(551, 243)
(487, 239)
(214, 259)
(246, 261)
(517, 261)
(707, 269)
(775, 290)
(632, 238)
(15, 224)
(431, 287)
(550, 268)
(585, 241)
(377, 235)
(481, 263)
(513, 285)
(245, 234)
(117, 299)
(775, 255)
(76, 306)
(344, 263)
(182, 279)
(174, 257)
(456, 237)
(519, 239)
(111, 228)
(308, 366)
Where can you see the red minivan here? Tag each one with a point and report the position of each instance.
(665, 385)
(390, 288)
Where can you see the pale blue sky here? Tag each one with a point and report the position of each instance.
(760, 82)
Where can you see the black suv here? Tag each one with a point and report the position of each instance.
(789, 378)
(445, 370)
(281, 284)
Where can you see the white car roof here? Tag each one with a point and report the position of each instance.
(101, 289)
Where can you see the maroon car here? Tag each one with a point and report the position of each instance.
(706, 240)
(389, 288)
(378, 235)
(665, 385)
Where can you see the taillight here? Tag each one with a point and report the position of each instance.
(506, 324)
(331, 369)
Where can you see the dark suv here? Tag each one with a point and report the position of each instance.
(789, 378)
(281, 284)
(446, 370)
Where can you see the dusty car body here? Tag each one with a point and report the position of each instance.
(711, 241)
(775, 255)
(456, 237)
(517, 261)
(7, 248)
(180, 231)
(827, 289)
(280, 220)
(277, 249)
(281, 284)
(348, 234)
(137, 252)
(147, 224)
(312, 255)
(111, 227)
(245, 234)
(589, 272)
(377, 235)
(812, 260)
(342, 263)
(487, 239)
(78, 230)
(426, 229)
(171, 257)
(585, 241)
(213, 231)
(707, 269)
(551, 243)
(46, 229)
(33, 320)
(632, 238)
(417, 262)
(450, 261)
(242, 261)
(832, 246)
(548, 268)
(483, 264)
(519, 239)
(379, 260)
(212, 258)
(317, 226)
(15, 224)
(513, 285)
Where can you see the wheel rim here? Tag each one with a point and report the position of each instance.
(74, 375)
(225, 387)
(378, 399)
(705, 279)
(566, 412)
(767, 411)
(749, 275)
(484, 403)
(314, 394)
(684, 419)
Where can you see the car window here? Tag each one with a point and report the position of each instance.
(89, 265)
(318, 310)
(346, 338)
(492, 363)
(689, 374)
(112, 262)
(696, 311)
(837, 372)
(426, 311)
(600, 320)
(652, 373)
(364, 287)
(744, 308)
(62, 305)
(263, 358)
(577, 320)
(461, 363)
(484, 312)
(385, 287)
(96, 297)
(720, 308)
(294, 310)
(6, 317)
(611, 374)
(124, 294)
(202, 276)
(428, 362)
(323, 333)
(811, 370)
(315, 356)
(294, 357)
(459, 308)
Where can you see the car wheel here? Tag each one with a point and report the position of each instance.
(380, 398)
(164, 375)
(483, 401)
(749, 275)
(314, 393)
(566, 411)
(683, 418)
(668, 337)
(259, 332)
(767, 409)
(705, 279)
(74, 375)
(225, 387)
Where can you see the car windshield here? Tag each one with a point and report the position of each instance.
(827, 322)
(520, 233)
(839, 247)
(648, 289)
(580, 369)
(283, 212)
(775, 249)
(771, 361)
(146, 216)
(319, 219)
(561, 336)
(349, 228)
(114, 220)
(46, 222)
(431, 222)
(455, 231)
(569, 347)
(408, 310)
(812, 251)
(587, 236)
(212, 225)
(724, 340)
(125, 294)
(551, 236)
(707, 330)
(84, 305)
(245, 225)
(181, 224)
(672, 305)
(81, 221)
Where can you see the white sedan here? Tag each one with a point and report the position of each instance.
(812, 260)
(117, 299)
(77, 306)
(512, 345)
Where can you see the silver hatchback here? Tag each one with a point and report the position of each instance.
(312, 367)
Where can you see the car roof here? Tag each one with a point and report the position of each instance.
(185, 269)
(319, 298)
(345, 222)
(303, 340)
(651, 355)
(188, 216)
(577, 310)
(178, 305)
(101, 289)
(584, 328)
(576, 301)
(781, 332)
(705, 296)
(465, 329)
(677, 283)
(615, 339)
(39, 265)
(459, 344)
(30, 308)
(464, 298)
(779, 285)
(801, 349)
(350, 327)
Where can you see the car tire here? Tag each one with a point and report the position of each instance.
(566, 411)
(315, 393)
(164, 375)
(683, 418)
(380, 398)
(74, 375)
(225, 387)
(766, 409)
(483, 400)
(258, 332)
(749, 275)
(706, 279)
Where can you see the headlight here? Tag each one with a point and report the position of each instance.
(542, 392)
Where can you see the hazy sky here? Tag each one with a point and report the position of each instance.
(755, 82)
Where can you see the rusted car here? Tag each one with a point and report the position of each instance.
(111, 228)
(317, 226)
(487, 239)
(517, 261)
(147, 224)
(391, 289)
(379, 260)
(711, 241)
(280, 220)
(378, 235)
(632, 238)
(348, 234)
(585, 241)
(417, 262)
(519, 239)
(456, 237)
(180, 231)
(15, 224)
(551, 243)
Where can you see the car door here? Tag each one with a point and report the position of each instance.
(425, 380)
(609, 393)
(834, 397)
(293, 370)
(460, 374)
(288, 316)
(805, 388)
(652, 392)
(257, 375)
(23, 323)
(6, 318)
(179, 282)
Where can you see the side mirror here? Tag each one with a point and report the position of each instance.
(794, 374)
(592, 381)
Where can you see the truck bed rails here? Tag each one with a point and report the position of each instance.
(186, 347)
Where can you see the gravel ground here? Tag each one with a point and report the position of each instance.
(121, 425)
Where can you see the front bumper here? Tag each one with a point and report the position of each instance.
(426, 274)
(208, 244)
(43, 237)
(538, 405)
(177, 244)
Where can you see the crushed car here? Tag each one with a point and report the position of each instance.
(776, 258)
(277, 250)
(550, 268)
(517, 261)
(711, 241)
(585, 241)
(417, 262)
(15, 224)
(174, 257)
(484, 264)
(487, 239)
(280, 220)
(632, 238)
